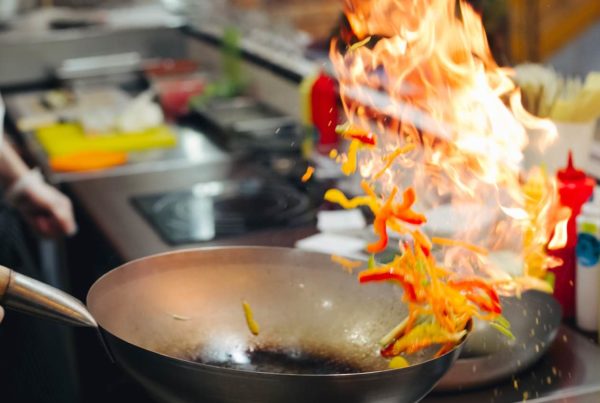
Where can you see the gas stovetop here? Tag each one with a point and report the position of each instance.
(219, 209)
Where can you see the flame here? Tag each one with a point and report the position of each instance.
(419, 77)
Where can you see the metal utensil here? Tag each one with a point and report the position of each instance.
(175, 323)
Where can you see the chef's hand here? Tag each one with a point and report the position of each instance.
(47, 210)
(1, 314)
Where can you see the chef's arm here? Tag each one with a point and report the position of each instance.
(47, 211)
(12, 166)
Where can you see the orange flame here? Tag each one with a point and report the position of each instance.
(421, 75)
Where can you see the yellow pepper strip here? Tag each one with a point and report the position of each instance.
(456, 242)
(398, 362)
(390, 158)
(359, 44)
(397, 226)
(349, 167)
(424, 335)
(252, 325)
(308, 174)
(370, 193)
(347, 264)
(421, 239)
(336, 196)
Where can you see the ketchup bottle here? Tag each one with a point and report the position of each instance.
(574, 189)
(324, 109)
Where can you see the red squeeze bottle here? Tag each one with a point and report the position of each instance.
(324, 108)
(574, 189)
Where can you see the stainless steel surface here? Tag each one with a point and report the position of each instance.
(489, 357)
(108, 202)
(27, 295)
(30, 50)
(94, 66)
(192, 148)
(8, 10)
(567, 373)
(162, 313)
(243, 115)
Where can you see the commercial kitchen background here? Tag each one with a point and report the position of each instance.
(49, 45)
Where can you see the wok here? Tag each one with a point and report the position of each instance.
(175, 323)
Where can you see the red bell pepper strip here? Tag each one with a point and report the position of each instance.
(492, 304)
(364, 139)
(380, 228)
(386, 274)
(410, 217)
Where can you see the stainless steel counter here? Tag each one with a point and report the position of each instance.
(569, 372)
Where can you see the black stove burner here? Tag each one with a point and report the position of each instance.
(214, 210)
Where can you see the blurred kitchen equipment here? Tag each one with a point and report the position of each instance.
(548, 94)
(490, 357)
(175, 92)
(140, 114)
(571, 103)
(102, 69)
(8, 10)
(34, 109)
(242, 115)
(169, 67)
(99, 107)
(175, 323)
(214, 210)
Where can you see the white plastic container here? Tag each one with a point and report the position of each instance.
(587, 275)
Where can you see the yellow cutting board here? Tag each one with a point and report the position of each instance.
(69, 138)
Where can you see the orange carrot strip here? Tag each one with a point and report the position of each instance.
(347, 264)
(403, 211)
(380, 224)
(308, 174)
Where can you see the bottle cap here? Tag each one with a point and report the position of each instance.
(570, 173)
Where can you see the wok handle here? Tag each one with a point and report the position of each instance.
(33, 297)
